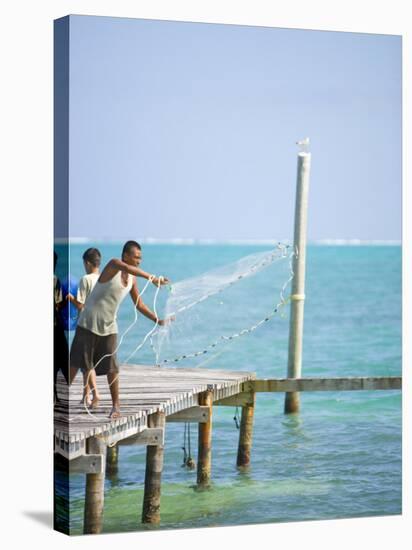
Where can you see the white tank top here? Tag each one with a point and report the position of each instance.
(100, 311)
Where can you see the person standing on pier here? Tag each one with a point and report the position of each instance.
(95, 341)
(60, 347)
(91, 260)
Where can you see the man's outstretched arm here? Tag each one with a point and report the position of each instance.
(137, 272)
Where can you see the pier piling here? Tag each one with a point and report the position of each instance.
(246, 434)
(94, 502)
(292, 399)
(153, 477)
(204, 458)
(112, 458)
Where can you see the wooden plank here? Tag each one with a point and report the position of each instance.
(70, 452)
(192, 414)
(149, 436)
(324, 384)
(86, 464)
(240, 400)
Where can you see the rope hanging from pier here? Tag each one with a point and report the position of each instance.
(236, 418)
(188, 461)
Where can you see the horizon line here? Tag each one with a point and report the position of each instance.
(192, 241)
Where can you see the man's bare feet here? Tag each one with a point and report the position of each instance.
(86, 401)
(95, 401)
(114, 413)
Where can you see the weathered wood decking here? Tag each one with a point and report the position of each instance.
(150, 396)
(144, 390)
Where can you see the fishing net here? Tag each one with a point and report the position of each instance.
(219, 307)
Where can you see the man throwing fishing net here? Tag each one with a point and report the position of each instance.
(95, 341)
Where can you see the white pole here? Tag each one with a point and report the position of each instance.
(292, 399)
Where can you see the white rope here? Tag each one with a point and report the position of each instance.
(151, 330)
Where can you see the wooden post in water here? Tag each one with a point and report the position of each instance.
(94, 502)
(204, 458)
(112, 459)
(245, 434)
(292, 399)
(153, 476)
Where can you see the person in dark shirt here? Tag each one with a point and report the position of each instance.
(60, 346)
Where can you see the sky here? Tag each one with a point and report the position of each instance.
(189, 130)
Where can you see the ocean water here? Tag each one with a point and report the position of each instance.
(340, 457)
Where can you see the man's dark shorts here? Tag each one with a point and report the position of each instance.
(88, 348)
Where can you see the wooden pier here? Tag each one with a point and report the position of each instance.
(144, 391)
(150, 398)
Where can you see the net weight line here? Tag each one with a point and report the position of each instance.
(258, 266)
(243, 332)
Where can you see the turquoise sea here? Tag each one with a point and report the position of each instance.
(340, 457)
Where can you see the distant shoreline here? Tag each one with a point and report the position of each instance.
(233, 242)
